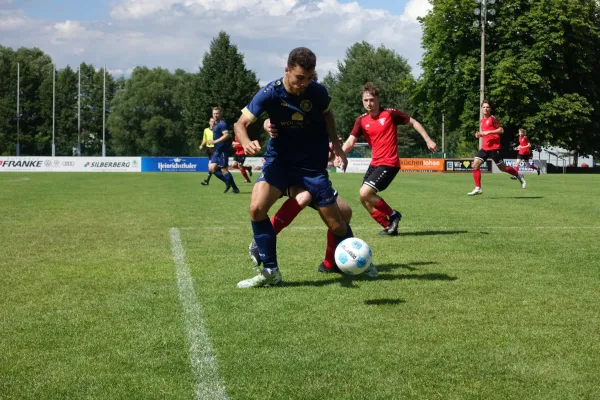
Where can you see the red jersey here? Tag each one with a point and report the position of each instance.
(382, 135)
(523, 141)
(490, 142)
(239, 149)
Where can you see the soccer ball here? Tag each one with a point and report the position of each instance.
(353, 256)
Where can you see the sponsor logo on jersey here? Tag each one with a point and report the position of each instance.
(382, 120)
(305, 105)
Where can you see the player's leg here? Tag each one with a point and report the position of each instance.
(376, 180)
(229, 182)
(509, 170)
(479, 159)
(289, 210)
(328, 264)
(210, 152)
(266, 191)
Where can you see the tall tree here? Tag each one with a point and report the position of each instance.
(542, 71)
(146, 115)
(222, 81)
(389, 71)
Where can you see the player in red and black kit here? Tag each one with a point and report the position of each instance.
(524, 149)
(490, 130)
(379, 127)
(238, 160)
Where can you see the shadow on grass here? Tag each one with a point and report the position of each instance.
(348, 280)
(432, 233)
(516, 197)
(384, 302)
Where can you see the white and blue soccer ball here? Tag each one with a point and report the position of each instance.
(353, 256)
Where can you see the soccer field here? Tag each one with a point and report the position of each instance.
(123, 286)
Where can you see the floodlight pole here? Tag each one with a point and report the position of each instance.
(18, 109)
(482, 77)
(104, 114)
(79, 111)
(53, 107)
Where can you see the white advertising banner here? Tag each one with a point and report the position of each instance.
(524, 166)
(70, 164)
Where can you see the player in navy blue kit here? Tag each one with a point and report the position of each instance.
(219, 162)
(299, 108)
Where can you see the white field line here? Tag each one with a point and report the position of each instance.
(404, 227)
(203, 363)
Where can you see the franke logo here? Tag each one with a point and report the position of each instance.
(21, 163)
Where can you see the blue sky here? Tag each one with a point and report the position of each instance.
(175, 34)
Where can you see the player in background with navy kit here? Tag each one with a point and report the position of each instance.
(490, 130)
(524, 149)
(210, 148)
(220, 159)
(239, 158)
(298, 156)
(379, 127)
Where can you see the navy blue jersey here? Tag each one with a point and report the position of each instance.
(302, 140)
(218, 130)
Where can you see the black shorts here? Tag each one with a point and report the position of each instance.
(239, 158)
(491, 154)
(379, 177)
(210, 151)
(524, 157)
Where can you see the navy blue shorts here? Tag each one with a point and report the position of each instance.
(316, 182)
(221, 158)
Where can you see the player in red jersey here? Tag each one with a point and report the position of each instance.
(239, 158)
(379, 127)
(490, 130)
(524, 149)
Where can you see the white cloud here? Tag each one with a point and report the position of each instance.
(176, 33)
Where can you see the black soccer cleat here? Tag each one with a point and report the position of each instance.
(394, 222)
(227, 187)
(323, 269)
(235, 191)
(204, 183)
(386, 232)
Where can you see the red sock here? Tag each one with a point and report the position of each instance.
(381, 218)
(477, 177)
(243, 171)
(383, 207)
(286, 214)
(329, 260)
(512, 171)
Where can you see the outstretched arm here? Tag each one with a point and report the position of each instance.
(431, 145)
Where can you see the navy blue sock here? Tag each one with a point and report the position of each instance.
(349, 234)
(229, 180)
(266, 241)
(219, 175)
(208, 177)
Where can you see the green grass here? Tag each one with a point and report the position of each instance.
(487, 297)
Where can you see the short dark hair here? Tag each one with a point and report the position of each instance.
(371, 89)
(303, 57)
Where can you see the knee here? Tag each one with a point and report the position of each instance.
(303, 198)
(258, 211)
(338, 227)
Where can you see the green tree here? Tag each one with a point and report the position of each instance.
(146, 114)
(542, 71)
(222, 81)
(389, 71)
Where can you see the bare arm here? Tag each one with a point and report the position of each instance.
(349, 143)
(223, 137)
(431, 145)
(251, 147)
(335, 143)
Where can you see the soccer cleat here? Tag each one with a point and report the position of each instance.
(394, 221)
(384, 232)
(372, 272)
(235, 191)
(227, 187)
(521, 179)
(254, 254)
(514, 178)
(475, 191)
(323, 269)
(266, 277)
(204, 183)
(247, 181)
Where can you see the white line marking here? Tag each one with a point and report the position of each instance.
(405, 227)
(203, 363)
(15, 180)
